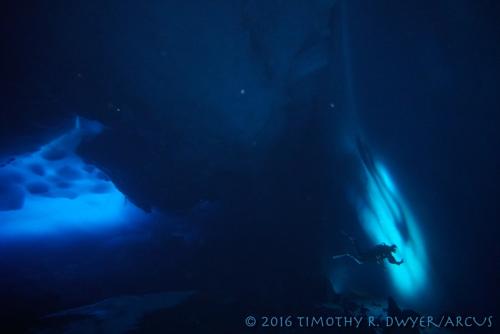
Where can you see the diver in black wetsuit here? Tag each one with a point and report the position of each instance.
(377, 254)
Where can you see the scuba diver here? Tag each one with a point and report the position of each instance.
(376, 254)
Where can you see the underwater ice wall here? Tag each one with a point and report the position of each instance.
(382, 211)
(53, 191)
(386, 218)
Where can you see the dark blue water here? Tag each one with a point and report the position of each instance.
(178, 166)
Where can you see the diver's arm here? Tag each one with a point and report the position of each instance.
(392, 260)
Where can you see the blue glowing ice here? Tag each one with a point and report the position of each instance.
(386, 218)
(53, 191)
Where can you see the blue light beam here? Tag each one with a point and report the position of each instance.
(386, 218)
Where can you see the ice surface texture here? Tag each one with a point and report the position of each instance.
(52, 190)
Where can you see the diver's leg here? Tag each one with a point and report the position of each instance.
(335, 257)
(358, 256)
(355, 258)
(347, 255)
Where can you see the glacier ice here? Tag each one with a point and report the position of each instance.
(52, 190)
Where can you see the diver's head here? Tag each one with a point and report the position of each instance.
(393, 248)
